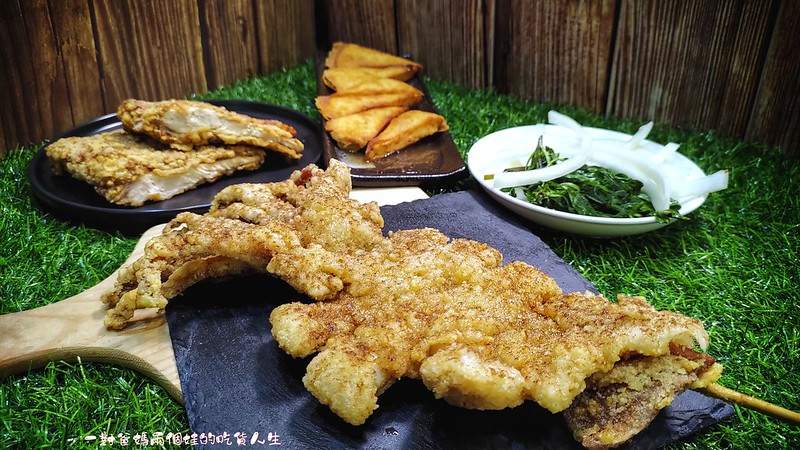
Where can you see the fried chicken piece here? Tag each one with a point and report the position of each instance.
(354, 131)
(246, 226)
(128, 170)
(618, 404)
(184, 124)
(479, 334)
(404, 130)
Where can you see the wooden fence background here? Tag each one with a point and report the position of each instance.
(730, 66)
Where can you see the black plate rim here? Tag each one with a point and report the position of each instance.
(107, 121)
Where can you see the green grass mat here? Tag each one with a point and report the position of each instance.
(735, 265)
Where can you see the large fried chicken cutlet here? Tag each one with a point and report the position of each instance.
(184, 124)
(416, 304)
(245, 227)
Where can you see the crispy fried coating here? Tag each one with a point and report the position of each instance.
(184, 124)
(246, 226)
(338, 105)
(478, 334)
(127, 170)
(354, 131)
(345, 54)
(367, 85)
(417, 304)
(404, 130)
(618, 404)
(335, 76)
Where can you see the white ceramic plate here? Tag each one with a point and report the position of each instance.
(511, 147)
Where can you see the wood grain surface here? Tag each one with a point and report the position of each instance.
(285, 33)
(775, 116)
(369, 23)
(150, 50)
(692, 62)
(447, 37)
(724, 66)
(19, 119)
(555, 51)
(73, 328)
(231, 50)
(72, 22)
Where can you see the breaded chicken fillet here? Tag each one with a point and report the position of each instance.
(479, 334)
(183, 124)
(246, 226)
(127, 170)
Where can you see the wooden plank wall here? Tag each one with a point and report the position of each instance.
(724, 66)
(63, 62)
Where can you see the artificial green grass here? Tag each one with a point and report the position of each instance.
(735, 265)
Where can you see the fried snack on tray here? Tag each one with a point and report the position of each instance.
(479, 334)
(365, 85)
(354, 131)
(345, 54)
(351, 72)
(184, 124)
(128, 170)
(339, 105)
(404, 130)
(335, 76)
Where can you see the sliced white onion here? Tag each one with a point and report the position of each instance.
(620, 156)
(512, 179)
(665, 152)
(640, 135)
(717, 181)
(654, 183)
(556, 118)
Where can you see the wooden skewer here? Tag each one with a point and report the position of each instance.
(723, 393)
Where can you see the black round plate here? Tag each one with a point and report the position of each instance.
(75, 200)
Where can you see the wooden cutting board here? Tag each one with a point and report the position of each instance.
(73, 328)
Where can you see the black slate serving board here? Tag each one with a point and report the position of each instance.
(239, 386)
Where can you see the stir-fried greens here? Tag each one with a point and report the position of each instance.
(590, 191)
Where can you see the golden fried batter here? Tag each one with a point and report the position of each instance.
(618, 404)
(127, 170)
(183, 124)
(246, 226)
(479, 334)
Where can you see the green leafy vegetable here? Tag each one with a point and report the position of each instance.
(590, 191)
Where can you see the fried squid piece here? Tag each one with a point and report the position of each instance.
(479, 334)
(128, 170)
(184, 124)
(247, 225)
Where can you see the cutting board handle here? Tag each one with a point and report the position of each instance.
(73, 328)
